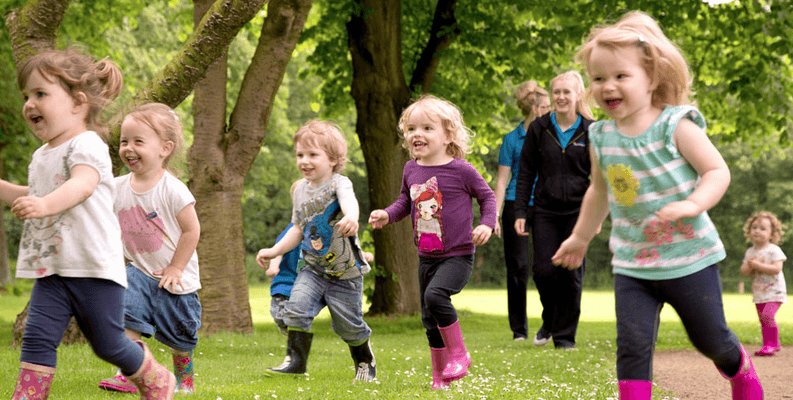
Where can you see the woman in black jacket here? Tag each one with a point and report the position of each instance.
(556, 154)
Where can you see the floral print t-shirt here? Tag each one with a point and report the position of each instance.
(643, 174)
(767, 288)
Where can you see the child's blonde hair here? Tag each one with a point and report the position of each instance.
(164, 122)
(581, 105)
(326, 136)
(451, 119)
(77, 72)
(776, 226)
(663, 62)
(529, 95)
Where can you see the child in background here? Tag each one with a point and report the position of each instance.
(437, 188)
(160, 231)
(283, 270)
(70, 240)
(764, 262)
(655, 170)
(325, 217)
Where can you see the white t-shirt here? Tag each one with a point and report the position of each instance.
(149, 229)
(83, 241)
(767, 288)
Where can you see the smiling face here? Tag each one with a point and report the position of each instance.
(427, 139)
(621, 86)
(313, 162)
(760, 232)
(564, 95)
(141, 148)
(50, 111)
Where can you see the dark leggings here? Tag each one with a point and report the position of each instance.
(98, 307)
(439, 279)
(518, 258)
(697, 300)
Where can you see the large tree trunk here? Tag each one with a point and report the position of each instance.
(380, 94)
(220, 158)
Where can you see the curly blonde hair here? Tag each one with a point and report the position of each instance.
(663, 61)
(326, 136)
(776, 226)
(163, 120)
(451, 119)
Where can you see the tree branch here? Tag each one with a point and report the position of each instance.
(34, 27)
(443, 32)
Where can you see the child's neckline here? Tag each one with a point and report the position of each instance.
(141, 188)
(435, 165)
(647, 129)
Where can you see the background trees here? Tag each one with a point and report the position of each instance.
(358, 63)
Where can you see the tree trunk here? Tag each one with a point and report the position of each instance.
(220, 159)
(380, 94)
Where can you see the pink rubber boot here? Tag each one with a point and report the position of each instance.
(154, 381)
(770, 341)
(457, 358)
(118, 383)
(438, 364)
(34, 382)
(745, 384)
(635, 390)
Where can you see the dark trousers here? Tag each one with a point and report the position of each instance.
(697, 300)
(439, 279)
(559, 288)
(518, 257)
(98, 307)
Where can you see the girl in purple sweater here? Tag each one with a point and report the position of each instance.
(437, 188)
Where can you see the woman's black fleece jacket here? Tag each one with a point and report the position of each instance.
(563, 173)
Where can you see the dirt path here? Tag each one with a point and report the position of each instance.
(691, 376)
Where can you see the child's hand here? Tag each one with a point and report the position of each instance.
(264, 256)
(170, 276)
(571, 253)
(481, 234)
(678, 209)
(378, 219)
(497, 229)
(347, 226)
(275, 267)
(28, 207)
(369, 257)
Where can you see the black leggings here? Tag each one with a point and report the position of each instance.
(439, 279)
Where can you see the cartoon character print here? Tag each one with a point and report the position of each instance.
(762, 282)
(324, 247)
(429, 205)
(141, 232)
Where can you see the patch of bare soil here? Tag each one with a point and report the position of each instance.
(689, 375)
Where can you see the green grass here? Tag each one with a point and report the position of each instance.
(229, 366)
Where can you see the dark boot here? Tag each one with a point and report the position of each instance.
(298, 344)
(364, 362)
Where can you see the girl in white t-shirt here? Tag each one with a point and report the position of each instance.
(764, 262)
(160, 231)
(70, 243)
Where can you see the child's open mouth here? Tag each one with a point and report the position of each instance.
(613, 103)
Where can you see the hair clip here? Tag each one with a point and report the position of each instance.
(642, 39)
(174, 115)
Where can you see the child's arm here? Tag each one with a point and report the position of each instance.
(74, 191)
(378, 219)
(290, 240)
(745, 268)
(594, 209)
(10, 192)
(188, 240)
(772, 268)
(696, 148)
(487, 207)
(348, 225)
(275, 266)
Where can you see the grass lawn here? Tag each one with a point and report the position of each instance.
(229, 366)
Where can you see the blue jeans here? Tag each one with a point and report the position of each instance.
(277, 309)
(344, 299)
(96, 304)
(697, 300)
(173, 319)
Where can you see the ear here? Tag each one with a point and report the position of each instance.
(167, 148)
(80, 103)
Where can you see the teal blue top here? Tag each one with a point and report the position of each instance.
(643, 174)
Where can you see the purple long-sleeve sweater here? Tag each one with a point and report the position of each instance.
(438, 199)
